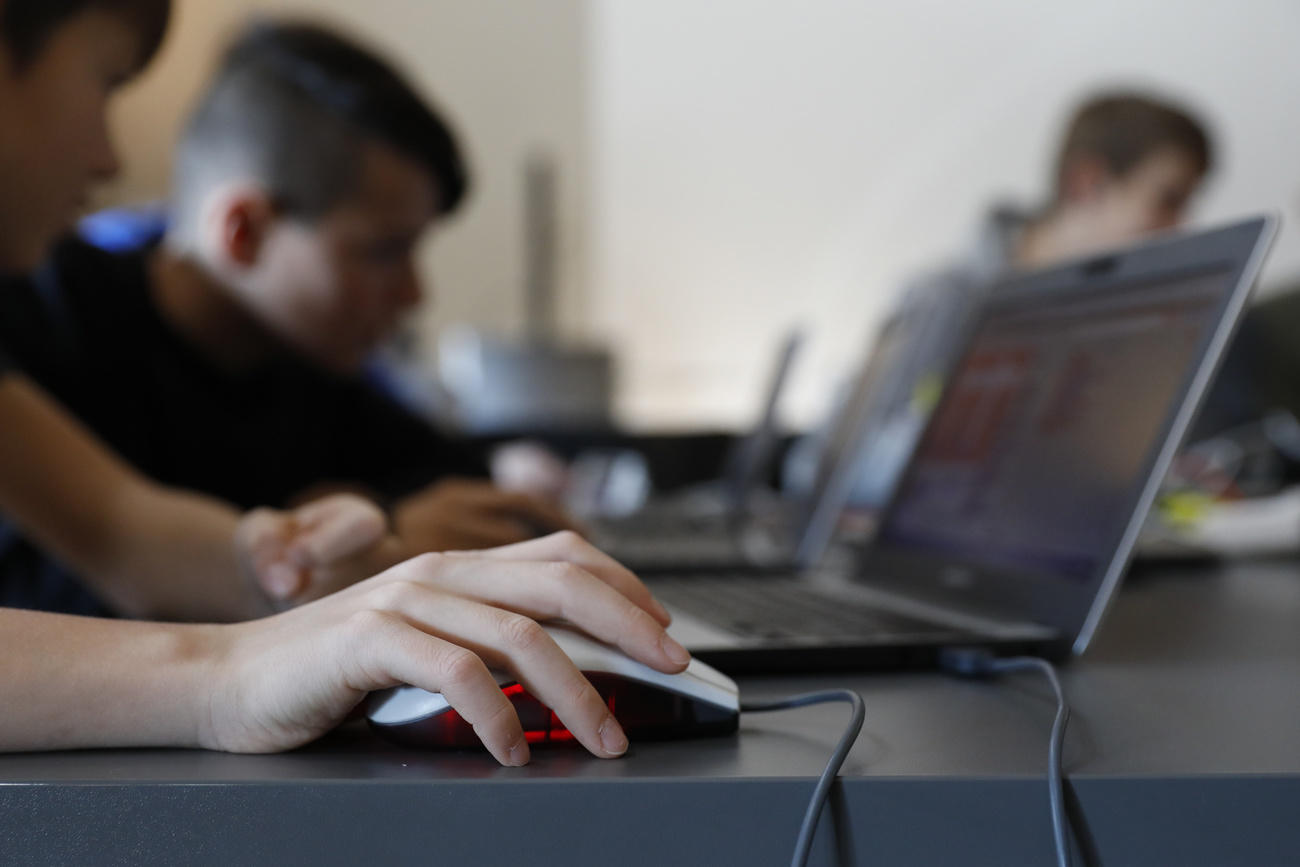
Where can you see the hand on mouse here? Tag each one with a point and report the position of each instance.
(462, 514)
(569, 546)
(437, 622)
(316, 549)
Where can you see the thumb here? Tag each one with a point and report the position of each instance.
(261, 542)
(333, 529)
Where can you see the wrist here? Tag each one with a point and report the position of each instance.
(201, 669)
(165, 675)
(173, 670)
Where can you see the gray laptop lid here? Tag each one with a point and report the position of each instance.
(1027, 490)
(747, 465)
(833, 476)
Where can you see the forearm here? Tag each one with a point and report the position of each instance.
(172, 556)
(149, 551)
(72, 682)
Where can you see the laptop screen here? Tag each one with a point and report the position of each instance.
(842, 442)
(833, 475)
(1049, 424)
(748, 463)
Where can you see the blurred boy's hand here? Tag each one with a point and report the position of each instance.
(330, 543)
(316, 549)
(469, 514)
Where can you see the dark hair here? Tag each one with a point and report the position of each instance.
(25, 25)
(290, 106)
(1123, 129)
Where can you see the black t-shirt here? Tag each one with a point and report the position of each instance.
(5, 363)
(86, 329)
(28, 577)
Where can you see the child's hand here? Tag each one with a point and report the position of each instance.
(439, 622)
(324, 546)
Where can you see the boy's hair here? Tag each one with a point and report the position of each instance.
(1122, 129)
(25, 25)
(289, 108)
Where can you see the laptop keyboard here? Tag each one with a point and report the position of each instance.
(781, 609)
(702, 554)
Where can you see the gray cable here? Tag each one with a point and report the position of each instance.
(1055, 771)
(803, 844)
(977, 662)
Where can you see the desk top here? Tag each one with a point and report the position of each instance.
(1183, 738)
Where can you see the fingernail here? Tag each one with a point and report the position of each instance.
(281, 580)
(612, 737)
(299, 555)
(519, 754)
(674, 651)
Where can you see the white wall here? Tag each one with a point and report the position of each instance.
(763, 161)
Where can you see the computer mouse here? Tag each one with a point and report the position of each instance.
(648, 704)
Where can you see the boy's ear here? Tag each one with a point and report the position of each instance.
(239, 222)
(1083, 179)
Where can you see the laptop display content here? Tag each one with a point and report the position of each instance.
(1048, 426)
(1014, 519)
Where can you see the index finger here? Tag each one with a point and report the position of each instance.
(559, 590)
(572, 548)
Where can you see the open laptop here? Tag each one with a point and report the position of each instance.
(1015, 518)
(795, 534)
(702, 529)
(725, 499)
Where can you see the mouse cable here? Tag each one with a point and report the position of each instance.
(977, 662)
(803, 844)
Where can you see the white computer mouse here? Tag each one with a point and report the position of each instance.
(648, 704)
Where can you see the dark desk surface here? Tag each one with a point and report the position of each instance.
(1184, 748)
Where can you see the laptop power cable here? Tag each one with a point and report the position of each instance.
(974, 662)
(807, 830)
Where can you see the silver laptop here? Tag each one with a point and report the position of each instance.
(792, 534)
(1015, 518)
(704, 528)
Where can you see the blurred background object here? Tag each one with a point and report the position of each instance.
(500, 386)
(717, 169)
(539, 382)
